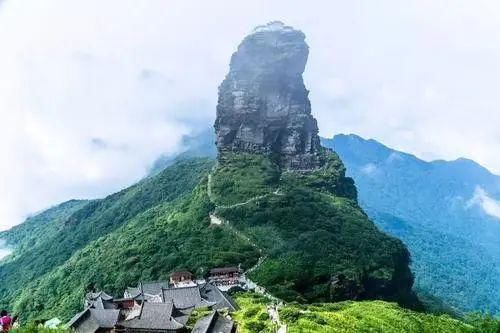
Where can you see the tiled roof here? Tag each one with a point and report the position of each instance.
(100, 294)
(90, 320)
(154, 288)
(222, 300)
(77, 317)
(131, 292)
(146, 291)
(203, 324)
(105, 318)
(101, 304)
(150, 288)
(185, 297)
(222, 325)
(153, 316)
(224, 270)
(182, 316)
(213, 323)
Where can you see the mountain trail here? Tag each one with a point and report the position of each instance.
(255, 198)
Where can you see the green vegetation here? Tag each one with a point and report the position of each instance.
(81, 236)
(167, 237)
(318, 245)
(253, 316)
(353, 317)
(308, 226)
(35, 230)
(32, 328)
(453, 243)
(240, 177)
(330, 179)
(311, 231)
(196, 315)
(368, 316)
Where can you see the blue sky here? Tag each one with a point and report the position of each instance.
(93, 91)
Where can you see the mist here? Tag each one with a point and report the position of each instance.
(4, 249)
(94, 91)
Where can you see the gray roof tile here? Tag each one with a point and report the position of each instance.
(185, 297)
(153, 316)
(213, 323)
(222, 300)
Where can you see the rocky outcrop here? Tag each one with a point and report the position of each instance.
(263, 104)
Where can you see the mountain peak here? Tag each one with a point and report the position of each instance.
(263, 104)
(273, 26)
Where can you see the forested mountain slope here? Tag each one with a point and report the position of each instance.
(433, 207)
(37, 228)
(308, 231)
(436, 209)
(75, 227)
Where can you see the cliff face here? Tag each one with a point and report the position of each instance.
(263, 105)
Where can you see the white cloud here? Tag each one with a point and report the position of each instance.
(369, 169)
(92, 91)
(4, 250)
(489, 205)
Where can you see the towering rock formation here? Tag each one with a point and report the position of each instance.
(263, 105)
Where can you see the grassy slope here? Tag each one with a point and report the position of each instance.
(350, 317)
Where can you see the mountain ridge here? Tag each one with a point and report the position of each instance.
(414, 231)
(459, 160)
(453, 239)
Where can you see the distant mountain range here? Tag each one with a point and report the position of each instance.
(445, 211)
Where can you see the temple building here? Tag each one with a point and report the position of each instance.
(154, 307)
(182, 279)
(225, 276)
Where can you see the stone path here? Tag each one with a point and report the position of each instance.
(274, 314)
(255, 198)
(216, 220)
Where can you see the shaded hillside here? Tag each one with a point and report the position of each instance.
(167, 236)
(454, 245)
(435, 209)
(91, 221)
(36, 229)
(317, 243)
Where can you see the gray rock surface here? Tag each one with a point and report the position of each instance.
(263, 104)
